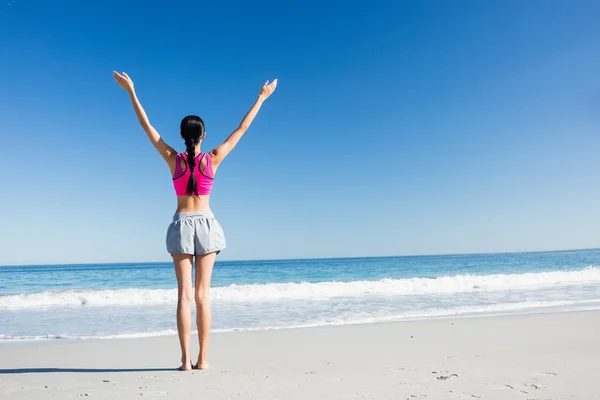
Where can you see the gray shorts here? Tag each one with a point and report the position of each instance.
(195, 232)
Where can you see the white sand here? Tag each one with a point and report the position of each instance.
(548, 356)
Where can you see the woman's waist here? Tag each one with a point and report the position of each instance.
(183, 215)
(193, 204)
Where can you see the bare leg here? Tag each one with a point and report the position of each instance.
(183, 271)
(204, 267)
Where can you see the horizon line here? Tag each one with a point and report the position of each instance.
(310, 258)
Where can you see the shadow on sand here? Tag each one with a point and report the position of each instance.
(53, 370)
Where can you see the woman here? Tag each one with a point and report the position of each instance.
(194, 231)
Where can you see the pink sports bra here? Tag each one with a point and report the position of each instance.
(204, 179)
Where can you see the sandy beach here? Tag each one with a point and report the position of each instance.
(544, 356)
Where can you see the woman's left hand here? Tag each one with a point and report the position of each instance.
(267, 89)
(124, 81)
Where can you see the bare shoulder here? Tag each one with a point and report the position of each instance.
(171, 159)
(215, 158)
(216, 154)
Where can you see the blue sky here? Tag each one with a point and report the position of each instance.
(413, 127)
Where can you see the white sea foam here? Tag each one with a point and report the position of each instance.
(130, 335)
(495, 309)
(307, 291)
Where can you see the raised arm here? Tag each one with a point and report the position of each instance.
(220, 152)
(166, 151)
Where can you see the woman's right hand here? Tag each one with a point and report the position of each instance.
(124, 81)
(267, 89)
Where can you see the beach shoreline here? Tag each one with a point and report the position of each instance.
(173, 332)
(537, 356)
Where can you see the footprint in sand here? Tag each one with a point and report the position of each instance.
(445, 377)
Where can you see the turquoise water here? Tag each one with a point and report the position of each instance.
(122, 300)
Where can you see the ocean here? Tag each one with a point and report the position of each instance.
(107, 301)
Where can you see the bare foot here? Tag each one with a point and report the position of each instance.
(186, 366)
(201, 365)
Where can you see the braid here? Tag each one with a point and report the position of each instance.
(192, 131)
(191, 161)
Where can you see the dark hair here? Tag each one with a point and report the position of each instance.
(192, 131)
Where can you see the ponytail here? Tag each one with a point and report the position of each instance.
(192, 131)
(191, 161)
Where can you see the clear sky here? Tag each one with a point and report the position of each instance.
(404, 127)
